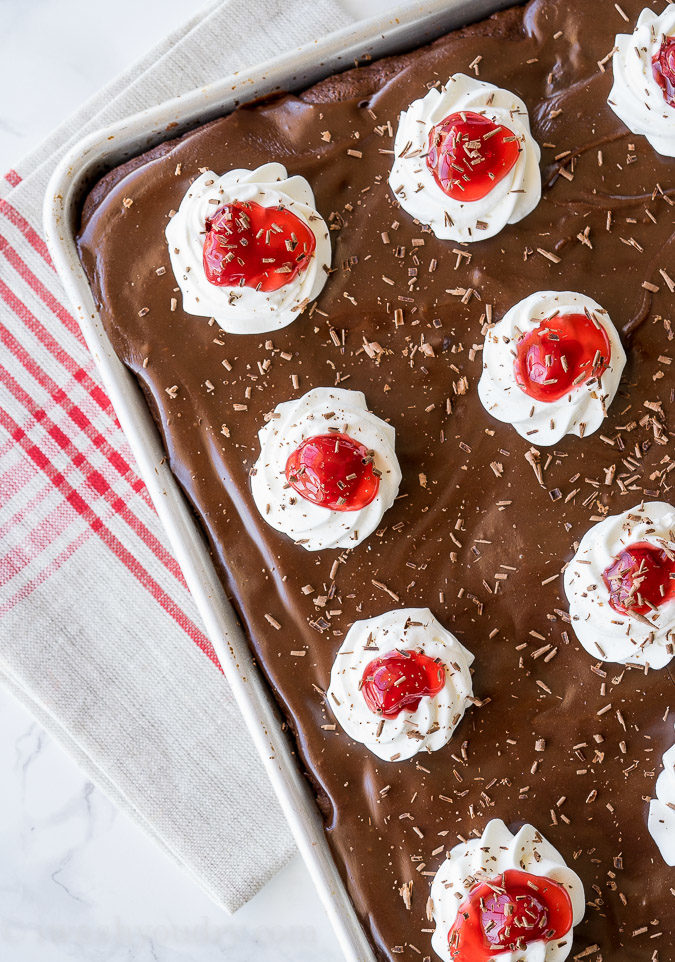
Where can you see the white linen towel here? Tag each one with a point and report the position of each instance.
(98, 635)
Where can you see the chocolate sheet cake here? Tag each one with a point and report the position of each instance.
(485, 520)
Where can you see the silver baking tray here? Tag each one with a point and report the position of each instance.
(403, 28)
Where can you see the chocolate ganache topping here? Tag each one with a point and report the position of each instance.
(485, 519)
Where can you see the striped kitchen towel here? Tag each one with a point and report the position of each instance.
(98, 635)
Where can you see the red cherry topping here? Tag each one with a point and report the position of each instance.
(640, 578)
(248, 245)
(334, 471)
(399, 680)
(469, 154)
(507, 913)
(663, 68)
(559, 355)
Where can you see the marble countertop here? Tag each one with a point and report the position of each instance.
(78, 880)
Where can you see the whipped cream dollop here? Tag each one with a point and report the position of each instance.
(245, 310)
(661, 821)
(483, 859)
(433, 722)
(318, 412)
(604, 632)
(636, 97)
(579, 412)
(414, 186)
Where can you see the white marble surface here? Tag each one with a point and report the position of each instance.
(79, 882)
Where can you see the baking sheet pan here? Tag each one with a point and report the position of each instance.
(404, 28)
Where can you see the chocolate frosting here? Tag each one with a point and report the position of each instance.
(483, 525)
